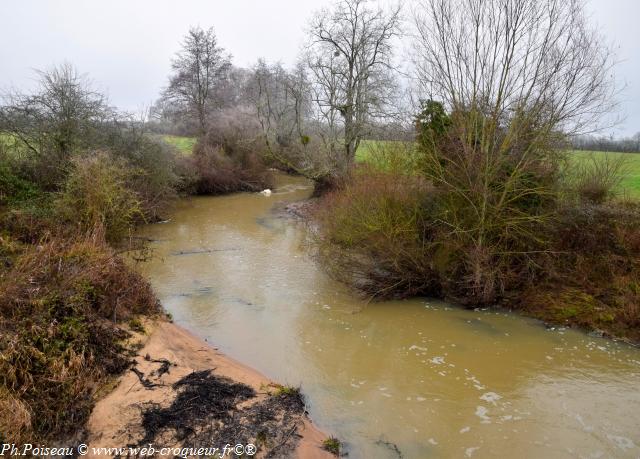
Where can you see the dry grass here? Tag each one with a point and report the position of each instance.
(373, 235)
(61, 306)
(593, 280)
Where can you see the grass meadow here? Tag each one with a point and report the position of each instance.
(183, 144)
(369, 152)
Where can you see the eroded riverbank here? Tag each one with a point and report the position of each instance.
(419, 377)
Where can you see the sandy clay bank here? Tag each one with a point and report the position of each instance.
(181, 393)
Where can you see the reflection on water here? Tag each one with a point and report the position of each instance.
(416, 378)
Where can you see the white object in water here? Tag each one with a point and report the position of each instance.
(266, 192)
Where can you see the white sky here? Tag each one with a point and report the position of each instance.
(126, 45)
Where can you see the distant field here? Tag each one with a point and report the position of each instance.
(629, 186)
(630, 183)
(183, 144)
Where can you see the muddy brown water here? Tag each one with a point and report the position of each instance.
(414, 379)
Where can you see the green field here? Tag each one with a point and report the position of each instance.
(630, 182)
(183, 144)
(370, 152)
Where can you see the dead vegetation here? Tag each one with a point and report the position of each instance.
(227, 158)
(204, 408)
(63, 306)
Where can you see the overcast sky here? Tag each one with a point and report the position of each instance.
(126, 45)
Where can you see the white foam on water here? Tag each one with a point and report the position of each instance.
(481, 412)
(623, 443)
(415, 347)
(469, 451)
(490, 397)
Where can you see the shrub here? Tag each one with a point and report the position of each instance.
(98, 193)
(210, 171)
(596, 178)
(14, 188)
(374, 236)
(390, 156)
(237, 131)
(153, 162)
(593, 278)
(60, 309)
(332, 445)
(227, 159)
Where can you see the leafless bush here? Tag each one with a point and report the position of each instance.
(596, 178)
(230, 157)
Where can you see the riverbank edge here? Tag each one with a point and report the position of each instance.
(549, 313)
(116, 418)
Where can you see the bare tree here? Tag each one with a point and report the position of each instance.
(63, 114)
(198, 67)
(505, 58)
(350, 55)
(282, 101)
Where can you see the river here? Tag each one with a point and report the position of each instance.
(416, 378)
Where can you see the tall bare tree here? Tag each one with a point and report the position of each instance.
(509, 57)
(350, 55)
(197, 68)
(281, 101)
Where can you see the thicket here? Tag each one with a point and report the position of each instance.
(488, 228)
(228, 158)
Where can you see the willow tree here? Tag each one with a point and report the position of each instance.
(515, 76)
